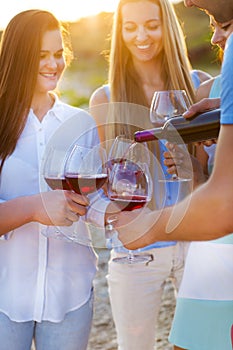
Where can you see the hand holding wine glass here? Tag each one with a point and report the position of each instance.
(63, 208)
(164, 106)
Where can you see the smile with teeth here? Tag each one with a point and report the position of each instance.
(143, 47)
(48, 75)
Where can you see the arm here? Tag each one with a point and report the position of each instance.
(48, 208)
(204, 90)
(203, 76)
(205, 214)
(98, 108)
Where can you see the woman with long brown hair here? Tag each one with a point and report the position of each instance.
(46, 284)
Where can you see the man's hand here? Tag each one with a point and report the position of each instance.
(132, 227)
(202, 106)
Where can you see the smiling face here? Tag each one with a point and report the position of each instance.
(142, 30)
(52, 62)
(221, 10)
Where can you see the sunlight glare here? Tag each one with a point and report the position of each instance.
(66, 10)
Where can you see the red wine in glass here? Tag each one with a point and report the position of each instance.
(129, 203)
(57, 183)
(85, 184)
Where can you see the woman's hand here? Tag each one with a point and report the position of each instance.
(58, 207)
(183, 164)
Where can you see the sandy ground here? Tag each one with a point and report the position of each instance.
(103, 335)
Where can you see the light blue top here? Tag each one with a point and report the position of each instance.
(227, 84)
(171, 188)
(215, 91)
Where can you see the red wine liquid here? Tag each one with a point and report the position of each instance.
(85, 184)
(57, 183)
(128, 203)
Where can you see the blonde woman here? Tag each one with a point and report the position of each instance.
(148, 53)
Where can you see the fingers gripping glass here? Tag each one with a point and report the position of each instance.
(83, 170)
(165, 105)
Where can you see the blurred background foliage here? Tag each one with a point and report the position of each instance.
(90, 38)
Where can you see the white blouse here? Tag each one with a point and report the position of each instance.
(41, 278)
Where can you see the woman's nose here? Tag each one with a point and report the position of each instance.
(141, 33)
(217, 37)
(51, 62)
(188, 3)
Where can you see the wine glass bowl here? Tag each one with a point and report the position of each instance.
(168, 104)
(53, 173)
(85, 169)
(53, 169)
(129, 184)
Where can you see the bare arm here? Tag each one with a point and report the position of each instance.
(205, 214)
(48, 208)
(98, 107)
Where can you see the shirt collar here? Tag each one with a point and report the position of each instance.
(57, 109)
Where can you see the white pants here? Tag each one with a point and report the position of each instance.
(135, 293)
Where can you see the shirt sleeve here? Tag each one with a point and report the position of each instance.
(227, 84)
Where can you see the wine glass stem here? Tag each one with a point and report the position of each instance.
(130, 256)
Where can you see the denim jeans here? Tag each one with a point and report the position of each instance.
(70, 334)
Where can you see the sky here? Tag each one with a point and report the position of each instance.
(66, 10)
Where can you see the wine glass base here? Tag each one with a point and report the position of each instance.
(175, 179)
(134, 259)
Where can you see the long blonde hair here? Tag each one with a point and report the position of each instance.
(125, 84)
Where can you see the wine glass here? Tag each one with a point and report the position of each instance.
(165, 105)
(85, 172)
(85, 169)
(129, 186)
(168, 104)
(53, 174)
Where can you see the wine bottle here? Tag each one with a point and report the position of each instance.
(204, 126)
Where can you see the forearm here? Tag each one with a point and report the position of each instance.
(15, 213)
(204, 215)
(59, 208)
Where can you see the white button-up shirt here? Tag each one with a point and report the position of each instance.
(41, 278)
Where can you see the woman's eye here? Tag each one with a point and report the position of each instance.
(226, 27)
(152, 26)
(130, 28)
(58, 55)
